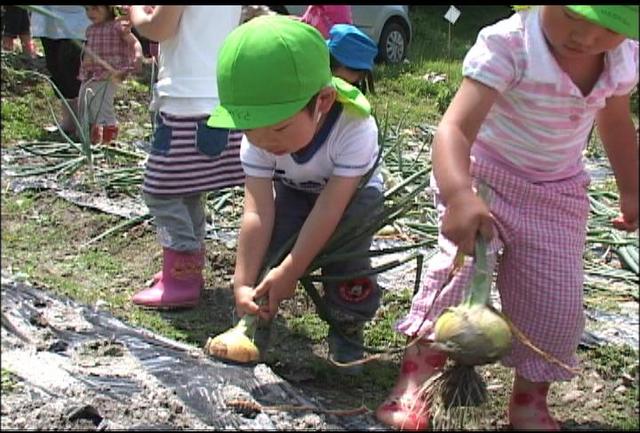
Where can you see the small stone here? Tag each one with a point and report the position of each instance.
(597, 387)
(620, 390)
(102, 305)
(572, 396)
(593, 404)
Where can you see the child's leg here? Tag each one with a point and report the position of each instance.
(528, 406)
(183, 256)
(441, 288)
(7, 43)
(11, 26)
(354, 301)
(540, 281)
(107, 114)
(28, 47)
(404, 408)
(62, 57)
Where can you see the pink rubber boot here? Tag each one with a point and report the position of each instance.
(528, 406)
(180, 284)
(109, 134)
(158, 275)
(404, 408)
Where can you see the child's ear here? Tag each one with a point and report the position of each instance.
(326, 98)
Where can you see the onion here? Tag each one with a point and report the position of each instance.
(235, 344)
(474, 333)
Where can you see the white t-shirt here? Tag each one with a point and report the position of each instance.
(350, 150)
(540, 123)
(187, 83)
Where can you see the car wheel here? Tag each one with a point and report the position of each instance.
(393, 42)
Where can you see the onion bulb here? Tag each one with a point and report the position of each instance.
(472, 334)
(235, 344)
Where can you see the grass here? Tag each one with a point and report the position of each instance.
(403, 87)
(9, 382)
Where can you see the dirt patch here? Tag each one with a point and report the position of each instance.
(80, 368)
(594, 400)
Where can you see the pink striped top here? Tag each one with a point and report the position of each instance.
(539, 126)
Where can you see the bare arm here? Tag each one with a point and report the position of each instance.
(134, 44)
(322, 221)
(253, 239)
(157, 25)
(466, 214)
(620, 142)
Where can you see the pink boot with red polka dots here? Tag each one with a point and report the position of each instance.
(403, 408)
(528, 406)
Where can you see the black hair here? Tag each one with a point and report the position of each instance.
(365, 84)
(113, 14)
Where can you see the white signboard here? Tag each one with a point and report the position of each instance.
(452, 15)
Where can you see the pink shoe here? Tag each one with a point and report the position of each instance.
(528, 407)
(405, 408)
(180, 284)
(158, 275)
(109, 134)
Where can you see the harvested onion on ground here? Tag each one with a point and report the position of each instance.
(236, 344)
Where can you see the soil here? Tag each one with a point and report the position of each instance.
(295, 361)
(79, 368)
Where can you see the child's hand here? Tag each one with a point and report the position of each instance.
(465, 215)
(277, 286)
(628, 219)
(245, 304)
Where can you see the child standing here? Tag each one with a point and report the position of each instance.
(309, 139)
(62, 36)
(533, 85)
(352, 55)
(110, 53)
(15, 24)
(187, 158)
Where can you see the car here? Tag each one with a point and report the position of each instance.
(388, 25)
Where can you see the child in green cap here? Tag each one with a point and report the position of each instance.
(533, 86)
(309, 139)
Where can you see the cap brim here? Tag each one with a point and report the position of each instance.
(250, 117)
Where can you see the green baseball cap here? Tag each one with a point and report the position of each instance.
(268, 69)
(622, 19)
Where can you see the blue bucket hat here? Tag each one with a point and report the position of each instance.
(351, 47)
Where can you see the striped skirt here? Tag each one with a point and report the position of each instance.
(178, 164)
